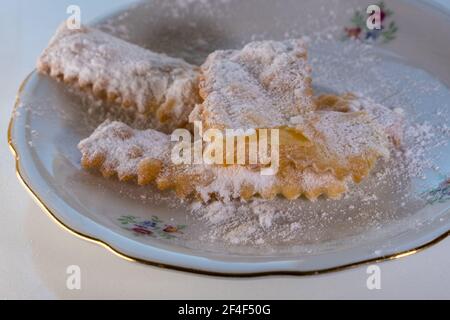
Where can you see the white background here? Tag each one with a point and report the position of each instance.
(34, 252)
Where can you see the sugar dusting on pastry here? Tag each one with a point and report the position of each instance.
(144, 156)
(260, 86)
(110, 69)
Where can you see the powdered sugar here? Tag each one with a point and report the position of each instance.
(124, 147)
(123, 73)
(343, 135)
(260, 86)
(229, 182)
(115, 148)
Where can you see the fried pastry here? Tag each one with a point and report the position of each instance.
(392, 122)
(260, 86)
(325, 143)
(115, 149)
(347, 144)
(110, 69)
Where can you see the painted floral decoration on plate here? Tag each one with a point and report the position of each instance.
(439, 194)
(360, 31)
(153, 227)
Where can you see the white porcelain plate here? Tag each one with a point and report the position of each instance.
(404, 65)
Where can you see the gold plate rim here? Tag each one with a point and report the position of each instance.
(122, 255)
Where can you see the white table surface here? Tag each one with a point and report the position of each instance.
(35, 253)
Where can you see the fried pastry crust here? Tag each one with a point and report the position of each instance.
(115, 149)
(260, 86)
(391, 122)
(347, 144)
(118, 72)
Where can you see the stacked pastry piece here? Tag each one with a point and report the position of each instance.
(155, 86)
(325, 142)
